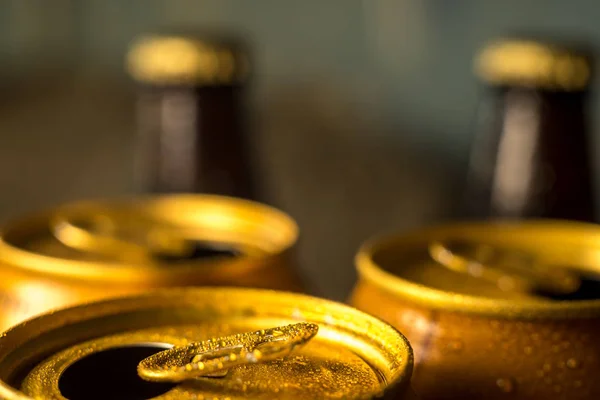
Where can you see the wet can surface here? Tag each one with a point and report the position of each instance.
(493, 310)
(91, 250)
(206, 343)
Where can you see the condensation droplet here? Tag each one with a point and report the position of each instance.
(507, 385)
(572, 363)
(548, 380)
(540, 373)
(556, 336)
(506, 283)
(455, 346)
(577, 384)
(547, 367)
(557, 388)
(495, 324)
(528, 350)
(535, 337)
(520, 324)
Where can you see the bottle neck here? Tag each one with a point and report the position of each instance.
(192, 141)
(530, 155)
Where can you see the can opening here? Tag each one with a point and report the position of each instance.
(112, 374)
(589, 289)
(202, 250)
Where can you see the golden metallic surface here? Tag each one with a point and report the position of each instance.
(506, 268)
(472, 338)
(182, 59)
(126, 234)
(353, 355)
(217, 355)
(531, 63)
(40, 272)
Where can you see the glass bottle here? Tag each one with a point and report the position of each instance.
(189, 116)
(530, 155)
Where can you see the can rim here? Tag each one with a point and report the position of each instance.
(309, 308)
(13, 256)
(421, 294)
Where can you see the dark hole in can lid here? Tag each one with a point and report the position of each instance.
(112, 374)
(202, 250)
(589, 289)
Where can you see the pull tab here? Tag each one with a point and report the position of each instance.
(127, 235)
(213, 357)
(510, 270)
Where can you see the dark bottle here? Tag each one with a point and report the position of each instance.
(530, 154)
(190, 128)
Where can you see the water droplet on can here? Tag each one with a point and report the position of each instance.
(455, 346)
(507, 385)
(572, 363)
(557, 388)
(547, 367)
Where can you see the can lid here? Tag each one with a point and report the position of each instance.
(533, 268)
(109, 241)
(510, 269)
(351, 355)
(167, 59)
(534, 63)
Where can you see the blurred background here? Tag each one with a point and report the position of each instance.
(360, 112)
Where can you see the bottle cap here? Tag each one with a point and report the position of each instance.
(185, 59)
(533, 63)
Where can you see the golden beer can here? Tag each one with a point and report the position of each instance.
(493, 310)
(91, 250)
(206, 343)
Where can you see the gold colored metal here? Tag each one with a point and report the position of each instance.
(181, 59)
(508, 269)
(353, 356)
(127, 233)
(218, 355)
(40, 272)
(525, 62)
(471, 338)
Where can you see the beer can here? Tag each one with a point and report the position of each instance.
(493, 310)
(90, 250)
(206, 343)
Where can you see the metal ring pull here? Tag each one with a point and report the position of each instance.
(509, 270)
(127, 235)
(216, 356)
